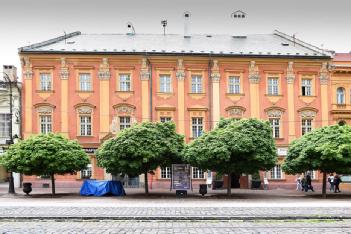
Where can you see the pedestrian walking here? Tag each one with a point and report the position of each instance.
(331, 182)
(303, 184)
(337, 181)
(265, 183)
(309, 183)
(299, 183)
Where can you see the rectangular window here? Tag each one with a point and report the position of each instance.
(198, 173)
(165, 83)
(306, 125)
(165, 172)
(45, 124)
(45, 81)
(124, 82)
(84, 82)
(275, 123)
(276, 172)
(234, 84)
(196, 84)
(197, 126)
(85, 125)
(124, 122)
(87, 173)
(312, 173)
(4, 125)
(306, 87)
(273, 84)
(165, 119)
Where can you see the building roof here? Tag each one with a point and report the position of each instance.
(342, 57)
(276, 44)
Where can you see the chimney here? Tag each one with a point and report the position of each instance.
(187, 24)
(239, 25)
(11, 71)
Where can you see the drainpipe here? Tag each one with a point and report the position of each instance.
(150, 89)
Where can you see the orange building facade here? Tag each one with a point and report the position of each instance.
(83, 88)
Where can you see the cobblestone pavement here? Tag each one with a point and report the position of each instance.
(174, 212)
(203, 227)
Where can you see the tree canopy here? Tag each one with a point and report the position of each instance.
(327, 149)
(45, 154)
(141, 149)
(234, 146)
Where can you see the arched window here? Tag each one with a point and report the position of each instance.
(340, 95)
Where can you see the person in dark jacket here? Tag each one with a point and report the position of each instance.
(308, 183)
(337, 182)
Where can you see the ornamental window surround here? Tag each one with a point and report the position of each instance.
(85, 119)
(306, 87)
(164, 119)
(306, 126)
(45, 124)
(340, 96)
(276, 172)
(85, 82)
(165, 83)
(124, 122)
(45, 82)
(44, 117)
(124, 82)
(307, 119)
(124, 117)
(275, 115)
(273, 86)
(85, 125)
(197, 126)
(196, 84)
(4, 125)
(234, 85)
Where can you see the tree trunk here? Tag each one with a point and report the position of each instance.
(146, 184)
(229, 184)
(324, 186)
(53, 183)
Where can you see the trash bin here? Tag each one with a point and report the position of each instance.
(27, 188)
(203, 189)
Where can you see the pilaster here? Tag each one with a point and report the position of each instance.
(254, 80)
(145, 77)
(215, 78)
(28, 90)
(180, 74)
(104, 78)
(64, 76)
(324, 81)
(290, 78)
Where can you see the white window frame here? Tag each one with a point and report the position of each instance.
(306, 87)
(275, 124)
(87, 173)
(197, 126)
(165, 173)
(85, 82)
(340, 96)
(273, 86)
(306, 126)
(276, 173)
(5, 125)
(164, 119)
(124, 122)
(165, 83)
(124, 82)
(45, 124)
(196, 83)
(313, 174)
(85, 125)
(45, 82)
(234, 84)
(197, 173)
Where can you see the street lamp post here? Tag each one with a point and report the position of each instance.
(9, 82)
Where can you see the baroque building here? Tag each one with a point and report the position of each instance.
(91, 86)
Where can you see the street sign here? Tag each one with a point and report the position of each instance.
(181, 178)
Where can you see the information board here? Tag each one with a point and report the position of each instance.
(181, 177)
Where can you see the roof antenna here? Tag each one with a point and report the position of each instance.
(131, 29)
(65, 37)
(294, 38)
(164, 24)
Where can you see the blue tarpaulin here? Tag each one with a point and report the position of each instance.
(101, 188)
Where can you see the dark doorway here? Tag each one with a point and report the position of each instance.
(235, 181)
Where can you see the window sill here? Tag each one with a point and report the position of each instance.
(279, 139)
(45, 91)
(197, 94)
(235, 94)
(164, 93)
(128, 92)
(85, 136)
(272, 95)
(304, 96)
(84, 91)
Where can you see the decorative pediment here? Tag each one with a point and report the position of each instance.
(124, 108)
(84, 108)
(180, 73)
(104, 70)
(290, 76)
(308, 113)
(215, 74)
(64, 72)
(274, 112)
(235, 111)
(254, 76)
(144, 70)
(44, 108)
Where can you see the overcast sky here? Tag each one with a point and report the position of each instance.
(324, 23)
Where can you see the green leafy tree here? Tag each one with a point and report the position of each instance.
(141, 149)
(47, 154)
(234, 146)
(327, 149)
